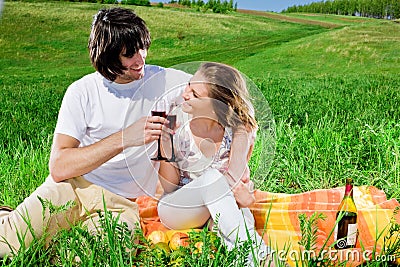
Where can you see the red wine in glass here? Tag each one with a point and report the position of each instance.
(172, 124)
(160, 110)
(159, 113)
(172, 121)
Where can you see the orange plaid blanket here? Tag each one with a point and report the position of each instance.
(277, 216)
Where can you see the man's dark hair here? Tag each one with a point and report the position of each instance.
(116, 31)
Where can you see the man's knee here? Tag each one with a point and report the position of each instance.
(97, 222)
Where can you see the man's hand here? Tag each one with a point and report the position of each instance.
(68, 160)
(143, 131)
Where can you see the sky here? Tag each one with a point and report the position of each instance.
(269, 5)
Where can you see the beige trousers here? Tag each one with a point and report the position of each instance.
(87, 199)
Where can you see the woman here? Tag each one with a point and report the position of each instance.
(198, 185)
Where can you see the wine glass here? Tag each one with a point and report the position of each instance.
(160, 109)
(171, 117)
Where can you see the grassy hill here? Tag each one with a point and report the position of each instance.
(332, 87)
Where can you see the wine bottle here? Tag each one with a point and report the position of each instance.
(346, 228)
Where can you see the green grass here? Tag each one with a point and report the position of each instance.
(333, 93)
(333, 128)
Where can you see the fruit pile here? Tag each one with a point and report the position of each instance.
(175, 248)
(171, 239)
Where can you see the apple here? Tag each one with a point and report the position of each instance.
(157, 237)
(199, 247)
(162, 246)
(179, 239)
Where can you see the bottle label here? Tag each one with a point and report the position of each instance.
(345, 240)
(351, 234)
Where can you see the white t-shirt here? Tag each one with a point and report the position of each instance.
(94, 108)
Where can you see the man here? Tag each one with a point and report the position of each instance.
(98, 156)
(103, 118)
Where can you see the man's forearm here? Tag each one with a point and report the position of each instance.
(69, 162)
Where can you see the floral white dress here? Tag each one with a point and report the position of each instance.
(191, 162)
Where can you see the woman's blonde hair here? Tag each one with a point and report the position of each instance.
(227, 86)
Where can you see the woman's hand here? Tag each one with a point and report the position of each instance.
(243, 190)
(243, 195)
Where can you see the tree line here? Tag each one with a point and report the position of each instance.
(217, 6)
(382, 9)
(124, 2)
